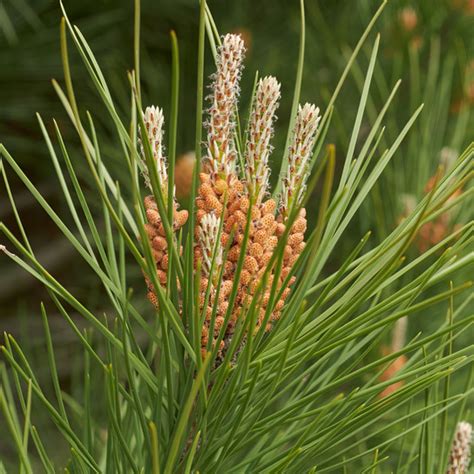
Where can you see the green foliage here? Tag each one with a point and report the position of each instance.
(303, 398)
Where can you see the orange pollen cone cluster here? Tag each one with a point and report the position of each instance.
(153, 120)
(236, 221)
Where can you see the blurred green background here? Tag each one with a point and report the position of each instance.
(428, 44)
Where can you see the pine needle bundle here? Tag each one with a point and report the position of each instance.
(255, 354)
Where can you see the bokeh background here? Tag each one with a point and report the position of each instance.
(428, 44)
